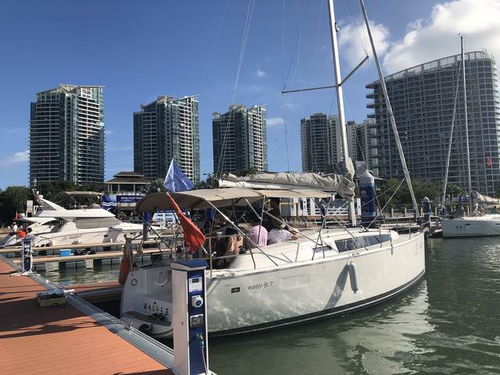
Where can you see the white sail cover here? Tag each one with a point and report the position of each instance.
(484, 199)
(284, 180)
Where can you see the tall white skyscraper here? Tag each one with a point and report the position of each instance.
(67, 135)
(164, 129)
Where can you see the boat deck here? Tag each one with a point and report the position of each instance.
(59, 340)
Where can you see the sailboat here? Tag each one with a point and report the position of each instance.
(323, 273)
(471, 225)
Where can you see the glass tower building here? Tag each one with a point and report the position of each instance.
(423, 99)
(164, 129)
(240, 140)
(67, 135)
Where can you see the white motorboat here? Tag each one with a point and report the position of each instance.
(75, 226)
(38, 225)
(288, 282)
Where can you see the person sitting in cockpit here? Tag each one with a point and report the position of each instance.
(281, 234)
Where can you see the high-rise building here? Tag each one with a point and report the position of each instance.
(358, 140)
(423, 99)
(321, 146)
(164, 129)
(318, 135)
(239, 140)
(67, 135)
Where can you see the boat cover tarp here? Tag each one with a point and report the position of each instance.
(284, 180)
(480, 198)
(226, 197)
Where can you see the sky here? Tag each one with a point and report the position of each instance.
(225, 51)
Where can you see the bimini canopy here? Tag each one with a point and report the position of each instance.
(284, 180)
(198, 199)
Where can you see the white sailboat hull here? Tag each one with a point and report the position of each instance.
(473, 226)
(253, 300)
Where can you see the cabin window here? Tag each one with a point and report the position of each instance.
(360, 242)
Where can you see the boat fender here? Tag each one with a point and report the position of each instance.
(353, 277)
(124, 270)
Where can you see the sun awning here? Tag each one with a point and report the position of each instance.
(225, 197)
(197, 199)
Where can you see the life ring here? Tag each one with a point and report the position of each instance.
(124, 270)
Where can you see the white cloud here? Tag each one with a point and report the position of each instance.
(108, 132)
(260, 73)
(18, 157)
(437, 36)
(275, 121)
(353, 40)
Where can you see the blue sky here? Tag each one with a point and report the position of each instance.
(142, 49)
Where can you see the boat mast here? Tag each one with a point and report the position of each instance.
(466, 126)
(390, 113)
(340, 101)
(448, 155)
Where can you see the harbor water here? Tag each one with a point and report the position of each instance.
(447, 324)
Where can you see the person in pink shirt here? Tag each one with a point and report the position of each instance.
(257, 234)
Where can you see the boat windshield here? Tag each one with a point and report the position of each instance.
(89, 223)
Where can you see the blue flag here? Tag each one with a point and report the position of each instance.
(176, 180)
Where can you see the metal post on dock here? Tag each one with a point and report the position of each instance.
(27, 255)
(190, 317)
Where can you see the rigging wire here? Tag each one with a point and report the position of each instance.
(357, 27)
(216, 36)
(316, 42)
(392, 196)
(244, 40)
(295, 57)
(452, 130)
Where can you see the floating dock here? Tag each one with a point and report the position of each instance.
(77, 338)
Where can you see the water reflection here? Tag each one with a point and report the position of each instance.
(73, 276)
(378, 341)
(448, 324)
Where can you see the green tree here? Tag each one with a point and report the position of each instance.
(156, 185)
(12, 200)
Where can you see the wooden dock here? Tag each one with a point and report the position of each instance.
(75, 339)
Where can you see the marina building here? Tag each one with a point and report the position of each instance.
(164, 129)
(423, 99)
(240, 140)
(67, 135)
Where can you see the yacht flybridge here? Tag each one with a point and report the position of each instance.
(326, 272)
